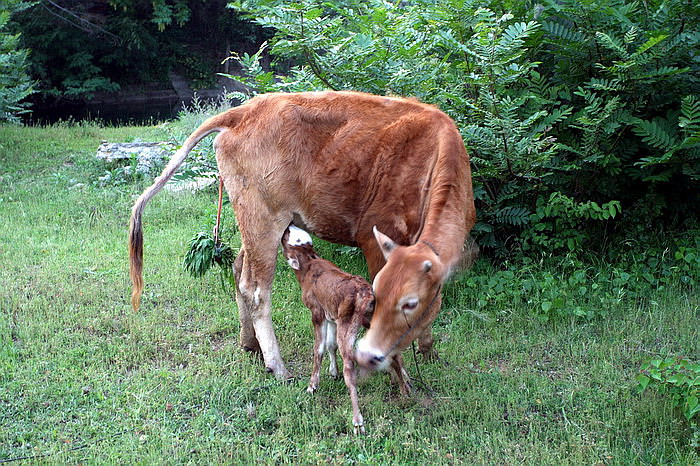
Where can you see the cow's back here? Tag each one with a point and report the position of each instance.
(338, 158)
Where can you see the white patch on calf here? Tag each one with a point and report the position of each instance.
(322, 343)
(297, 236)
(330, 334)
(256, 296)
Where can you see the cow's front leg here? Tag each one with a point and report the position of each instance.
(425, 344)
(400, 376)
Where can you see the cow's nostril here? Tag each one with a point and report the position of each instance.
(377, 359)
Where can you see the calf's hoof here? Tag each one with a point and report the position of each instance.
(311, 389)
(359, 429)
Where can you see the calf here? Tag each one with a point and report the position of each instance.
(339, 304)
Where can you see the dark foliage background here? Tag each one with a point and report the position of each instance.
(80, 48)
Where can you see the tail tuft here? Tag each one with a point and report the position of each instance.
(136, 259)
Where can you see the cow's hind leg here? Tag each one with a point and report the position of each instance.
(254, 285)
(247, 339)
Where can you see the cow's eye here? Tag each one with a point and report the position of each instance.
(410, 304)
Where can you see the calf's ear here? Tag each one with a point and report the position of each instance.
(293, 263)
(386, 244)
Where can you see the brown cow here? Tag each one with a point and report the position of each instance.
(337, 164)
(339, 303)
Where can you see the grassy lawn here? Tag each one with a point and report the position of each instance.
(83, 378)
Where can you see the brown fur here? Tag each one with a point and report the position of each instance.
(336, 164)
(343, 301)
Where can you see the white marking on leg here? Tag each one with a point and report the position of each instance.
(330, 334)
(322, 344)
(331, 345)
(297, 236)
(256, 296)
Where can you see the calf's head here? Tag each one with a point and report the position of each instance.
(407, 292)
(297, 248)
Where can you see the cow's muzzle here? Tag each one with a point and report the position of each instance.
(371, 358)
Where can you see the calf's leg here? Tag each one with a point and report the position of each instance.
(319, 349)
(331, 346)
(345, 339)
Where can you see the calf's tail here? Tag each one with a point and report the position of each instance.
(217, 123)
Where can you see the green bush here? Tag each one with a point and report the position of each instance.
(15, 84)
(572, 288)
(679, 377)
(580, 117)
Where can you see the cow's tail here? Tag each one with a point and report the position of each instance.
(217, 123)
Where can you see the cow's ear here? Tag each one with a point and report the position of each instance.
(293, 263)
(386, 244)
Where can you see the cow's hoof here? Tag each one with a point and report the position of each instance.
(429, 354)
(281, 374)
(406, 389)
(311, 389)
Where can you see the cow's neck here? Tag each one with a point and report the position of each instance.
(445, 226)
(446, 237)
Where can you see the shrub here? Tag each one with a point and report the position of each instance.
(678, 377)
(573, 112)
(579, 289)
(15, 84)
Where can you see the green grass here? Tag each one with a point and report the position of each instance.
(85, 379)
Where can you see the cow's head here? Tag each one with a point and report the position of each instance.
(407, 292)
